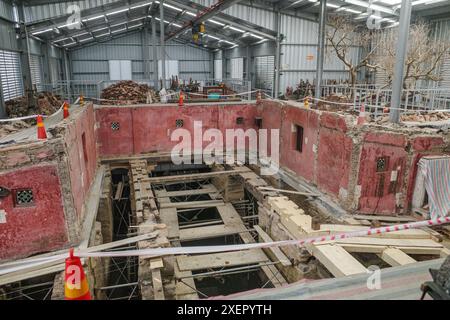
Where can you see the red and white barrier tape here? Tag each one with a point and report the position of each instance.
(156, 252)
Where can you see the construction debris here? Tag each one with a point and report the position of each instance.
(12, 127)
(44, 103)
(129, 92)
(341, 103)
(418, 117)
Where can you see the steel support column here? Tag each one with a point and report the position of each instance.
(25, 56)
(155, 53)
(46, 62)
(162, 45)
(67, 73)
(224, 65)
(146, 51)
(2, 103)
(321, 47)
(276, 87)
(400, 57)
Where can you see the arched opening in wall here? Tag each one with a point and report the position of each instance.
(122, 271)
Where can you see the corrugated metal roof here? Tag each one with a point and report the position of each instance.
(397, 283)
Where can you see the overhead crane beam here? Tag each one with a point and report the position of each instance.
(203, 16)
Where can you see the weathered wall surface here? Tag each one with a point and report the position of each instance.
(78, 133)
(368, 169)
(38, 226)
(50, 170)
(146, 129)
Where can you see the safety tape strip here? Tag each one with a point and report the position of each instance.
(32, 116)
(155, 252)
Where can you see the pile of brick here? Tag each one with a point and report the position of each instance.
(418, 117)
(11, 127)
(45, 103)
(129, 92)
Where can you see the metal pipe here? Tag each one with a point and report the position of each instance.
(229, 271)
(162, 45)
(155, 53)
(400, 57)
(277, 55)
(119, 286)
(321, 47)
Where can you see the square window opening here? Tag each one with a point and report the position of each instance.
(23, 197)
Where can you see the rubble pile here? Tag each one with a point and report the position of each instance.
(45, 103)
(426, 116)
(129, 92)
(11, 127)
(330, 106)
(421, 117)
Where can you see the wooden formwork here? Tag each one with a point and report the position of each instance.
(394, 248)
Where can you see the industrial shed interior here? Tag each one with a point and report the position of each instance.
(335, 115)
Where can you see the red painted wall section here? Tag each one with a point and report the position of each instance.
(115, 142)
(148, 129)
(36, 228)
(271, 114)
(302, 163)
(334, 154)
(382, 187)
(80, 140)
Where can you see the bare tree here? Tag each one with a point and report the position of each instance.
(424, 56)
(343, 36)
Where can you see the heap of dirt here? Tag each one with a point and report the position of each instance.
(44, 103)
(129, 92)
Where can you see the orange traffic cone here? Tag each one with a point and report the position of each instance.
(41, 134)
(362, 115)
(75, 285)
(306, 102)
(181, 99)
(66, 110)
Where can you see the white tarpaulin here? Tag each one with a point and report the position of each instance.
(437, 183)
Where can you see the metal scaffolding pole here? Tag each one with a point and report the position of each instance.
(321, 47)
(162, 46)
(400, 57)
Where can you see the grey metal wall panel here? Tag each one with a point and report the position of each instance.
(264, 49)
(54, 52)
(441, 31)
(35, 46)
(87, 66)
(194, 66)
(91, 63)
(6, 10)
(8, 39)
